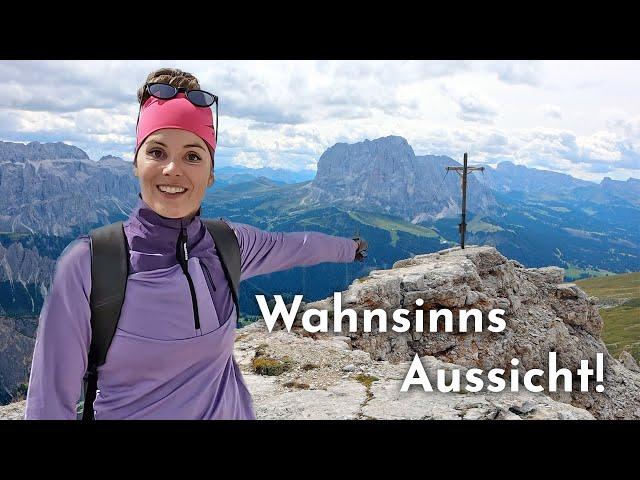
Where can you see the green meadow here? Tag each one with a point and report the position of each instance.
(621, 322)
(393, 225)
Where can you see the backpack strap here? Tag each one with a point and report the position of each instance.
(109, 271)
(228, 249)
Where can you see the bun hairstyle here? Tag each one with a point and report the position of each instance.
(172, 76)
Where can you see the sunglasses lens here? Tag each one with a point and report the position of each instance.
(200, 98)
(161, 90)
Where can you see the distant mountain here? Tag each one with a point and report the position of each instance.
(64, 196)
(611, 192)
(117, 162)
(245, 184)
(538, 217)
(385, 176)
(226, 179)
(508, 177)
(19, 152)
(276, 174)
(17, 339)
(45, 202)
(24, 279)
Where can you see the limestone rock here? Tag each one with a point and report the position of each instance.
(542, 315)
(13, 411)
(628, 361)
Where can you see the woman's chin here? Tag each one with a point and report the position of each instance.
(169, 211)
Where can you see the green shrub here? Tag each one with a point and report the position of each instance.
(269, 366)
(295, 384)
(366, 380)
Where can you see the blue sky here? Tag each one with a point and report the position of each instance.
(576, 117)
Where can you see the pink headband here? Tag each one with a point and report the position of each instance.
(176, 112)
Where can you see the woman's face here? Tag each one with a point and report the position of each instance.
(175, 158)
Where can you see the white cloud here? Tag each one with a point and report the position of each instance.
(474, 109)
(551, 111)
(249, 159)
(581, 118)
(601, 146)
(519, 72)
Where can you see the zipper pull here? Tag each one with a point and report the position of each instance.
(184, 244)
(182, 253)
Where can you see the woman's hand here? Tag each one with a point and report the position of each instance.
(361, 251)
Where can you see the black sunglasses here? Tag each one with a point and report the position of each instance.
(164, 91)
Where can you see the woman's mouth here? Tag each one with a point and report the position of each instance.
(171, 191)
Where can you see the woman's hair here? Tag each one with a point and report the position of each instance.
(172, 76)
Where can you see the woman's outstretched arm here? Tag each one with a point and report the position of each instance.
(63, 338)
(266, 252)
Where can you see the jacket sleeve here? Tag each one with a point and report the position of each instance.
(266, 252)
(63, 338)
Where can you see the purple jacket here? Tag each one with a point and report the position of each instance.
(159, 366)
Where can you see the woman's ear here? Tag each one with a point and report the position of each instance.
(135, 163)
(212, 178)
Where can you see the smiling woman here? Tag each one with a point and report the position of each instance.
(175, 143)
(168, 346)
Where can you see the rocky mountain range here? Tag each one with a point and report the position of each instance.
(62, 194)
(610, 191)
(385, 176)
(302, 375)
(20, 152)
(50, 193)
(275, 174)
(507, 177)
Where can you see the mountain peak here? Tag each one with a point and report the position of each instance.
(389, 140)
(114, 162)
(610, 181)
(34, 151)
(384, 175)
(110, 157)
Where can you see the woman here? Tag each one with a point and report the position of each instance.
(168, 359)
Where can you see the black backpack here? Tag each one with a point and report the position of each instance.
(109, 272)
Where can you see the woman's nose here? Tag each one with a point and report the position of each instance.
(172, 168)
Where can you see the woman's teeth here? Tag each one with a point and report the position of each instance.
(168, 189)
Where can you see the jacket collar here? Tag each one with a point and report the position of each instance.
(145, 212)
(153, 232)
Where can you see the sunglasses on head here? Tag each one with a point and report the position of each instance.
(200, 98)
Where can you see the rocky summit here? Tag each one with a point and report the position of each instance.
(301, 375)
(542, 315)
(358, 375)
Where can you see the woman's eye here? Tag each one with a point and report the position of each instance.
(156, 153)
(192, 157)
